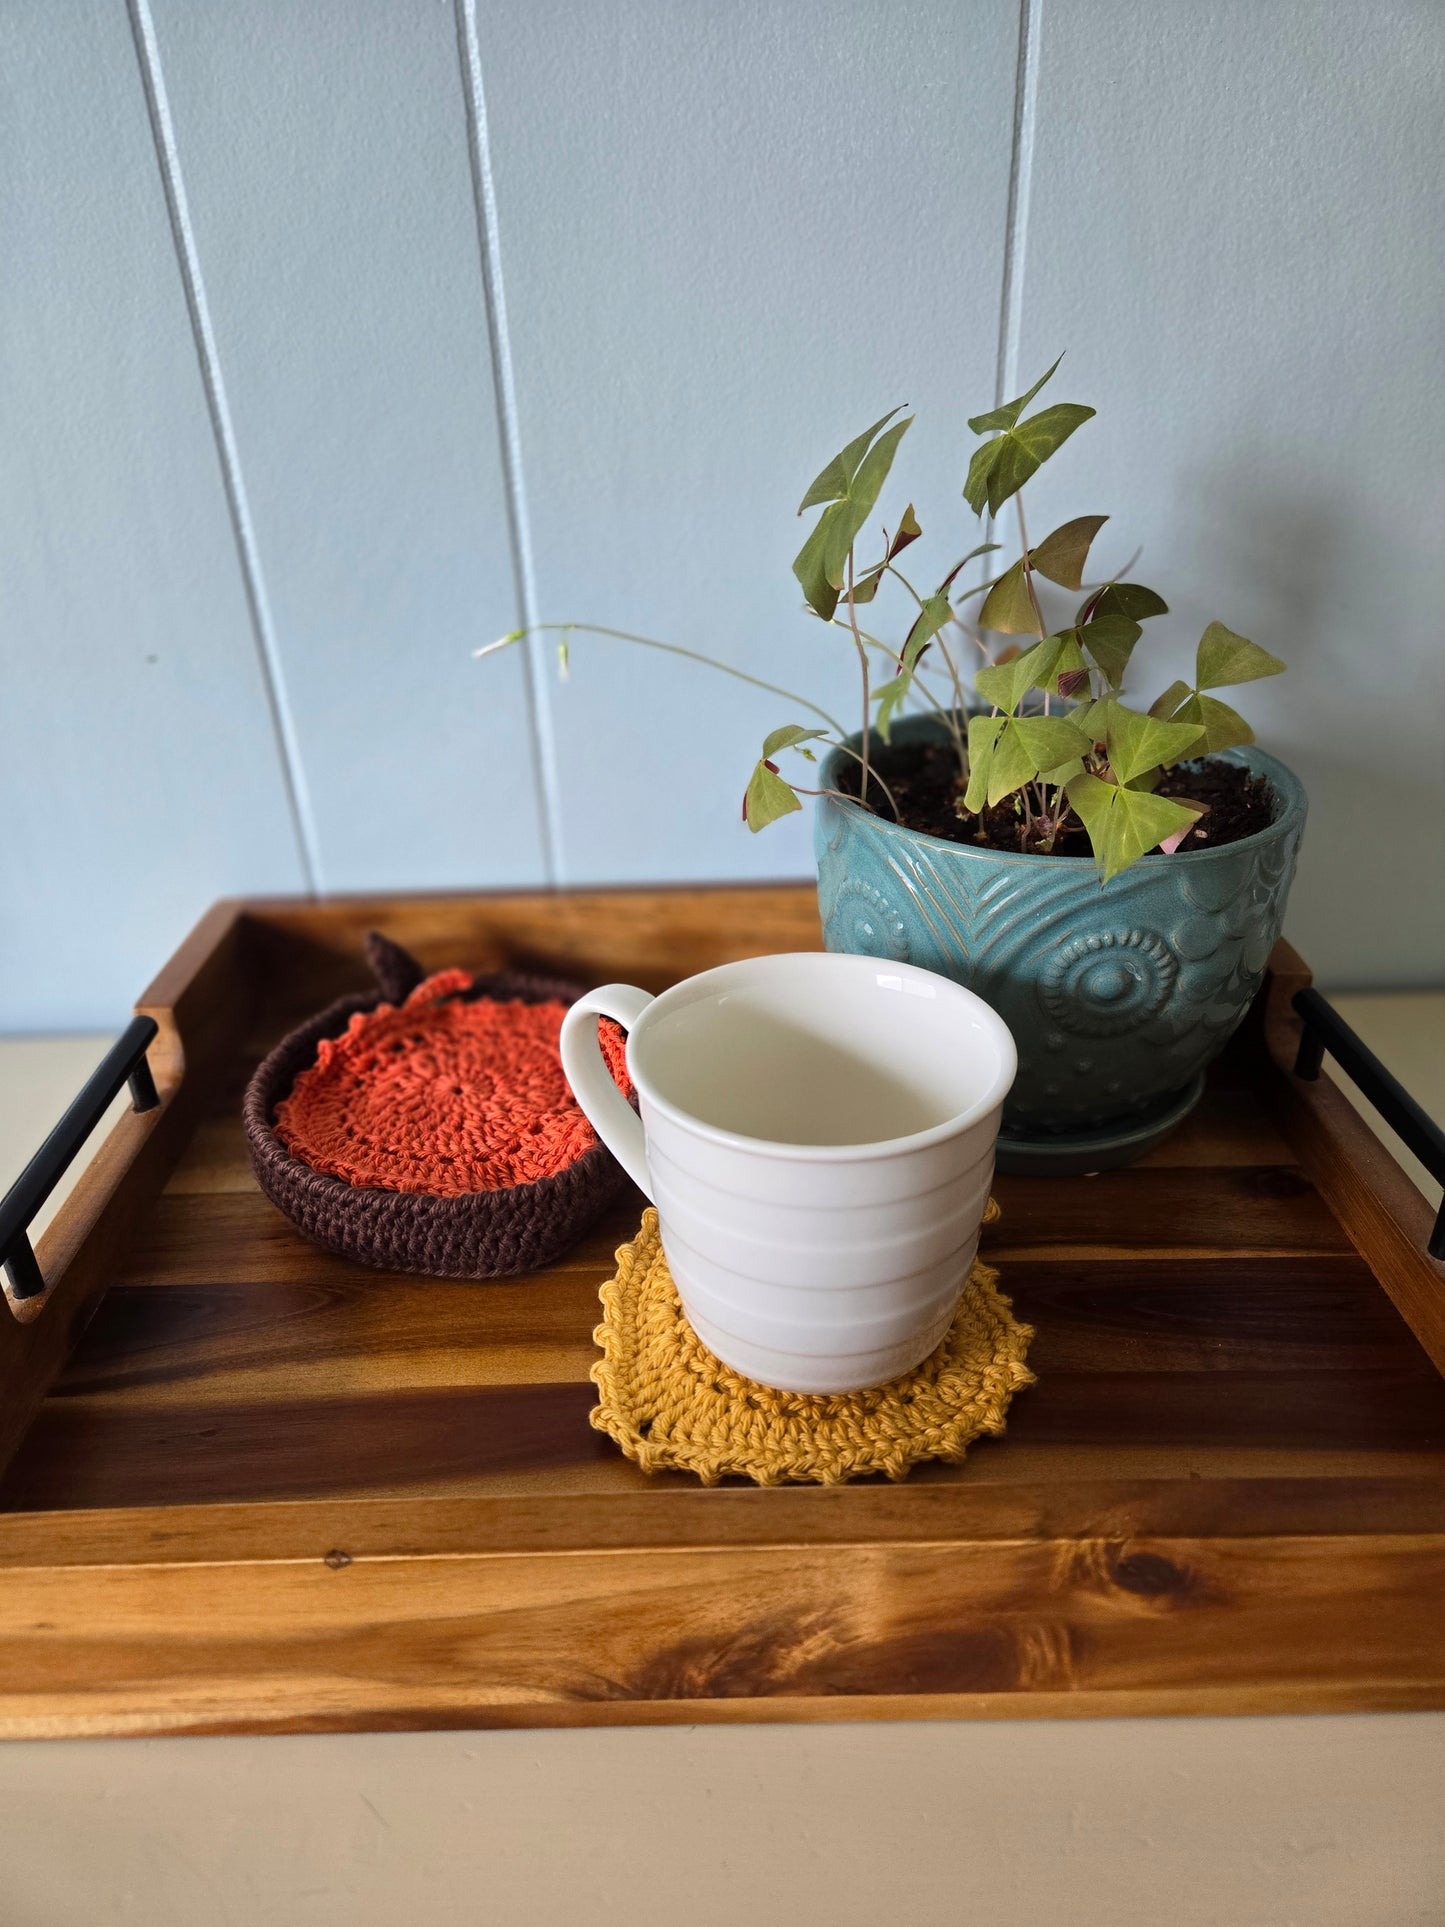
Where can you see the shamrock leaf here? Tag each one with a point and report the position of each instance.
(1110, 641)
(789, 737)
(768, 797)
(1226, 658)
(831, 483)
(850, 485)
(936, 611)
(1124, 824)
(1008, 607)
(1224, 728)
(1022, 451)
(1139, 743)
(1061, 555)
(1006, 684)
(1006, 416)
(1129, 599)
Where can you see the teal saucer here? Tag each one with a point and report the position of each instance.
(1081, 1153)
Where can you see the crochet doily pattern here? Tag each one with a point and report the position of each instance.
(442, 1095)
(672, 1405)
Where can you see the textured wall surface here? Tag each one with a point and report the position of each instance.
(336, 340)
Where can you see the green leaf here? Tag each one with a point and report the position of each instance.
(906, 532)
(1064, 774)
(866, 587)
(1129, 599)
(1224, 728)
(1007, 607)
(1138, 743)
(1110, 641)
(1167, 705)
(936, 611)
(1049, 740)
(975, 487)
(1070, 659)
(984, 548)
(983, 733)
(1124, 824)
(1012, 764)
(1006, 416)
(1225, 658)
(831, 483)
(978, 588)
(768, 797)
(789, 736)
(810, 566)
(823, 558)
(1006, 684)
(889, 699)
(1027, 447)
(1061, 555)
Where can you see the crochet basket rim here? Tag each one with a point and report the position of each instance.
(478, 1235)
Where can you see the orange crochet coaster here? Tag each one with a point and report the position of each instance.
(442, 1095)
(673, 1406)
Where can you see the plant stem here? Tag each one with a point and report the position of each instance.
(844, 797)
(876, 642)
(892, 570)
(877, 779)
(863, 665)
(959, 708)
(1028, 568)
(671, 649)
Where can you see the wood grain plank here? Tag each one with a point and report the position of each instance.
(1229, 1211)
(471, 1639)
(347, 1333)
(658, 1514)
(308, 952)
(237, 1235)
(1223, 1131)
(230, 1388)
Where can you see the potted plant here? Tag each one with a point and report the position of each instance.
(1111, 879)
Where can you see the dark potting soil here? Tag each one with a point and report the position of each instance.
(925, 780)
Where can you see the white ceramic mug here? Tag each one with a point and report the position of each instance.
(817, 1134)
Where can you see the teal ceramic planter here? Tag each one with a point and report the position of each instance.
(1118, 995)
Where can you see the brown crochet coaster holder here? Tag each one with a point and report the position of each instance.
(477, 1235)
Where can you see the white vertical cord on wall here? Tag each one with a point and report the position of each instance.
(1011, 304)
(539, 710)
(298, 798)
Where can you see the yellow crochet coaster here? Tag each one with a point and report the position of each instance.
(673, 1406)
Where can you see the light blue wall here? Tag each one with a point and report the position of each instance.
(336, 338)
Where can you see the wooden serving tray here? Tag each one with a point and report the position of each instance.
(274, 1492)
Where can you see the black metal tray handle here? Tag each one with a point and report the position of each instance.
(125, 1062)
(1325, 1030)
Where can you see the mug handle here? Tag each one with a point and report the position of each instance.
(606, 1109)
